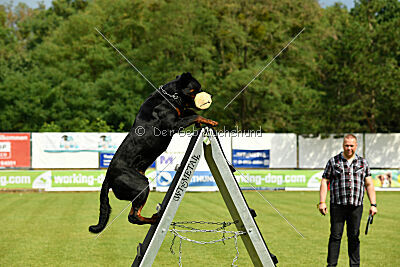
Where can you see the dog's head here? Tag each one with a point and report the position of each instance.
(188, 93)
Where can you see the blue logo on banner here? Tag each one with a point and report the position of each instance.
(243, 158)
(200, 178)
(105, 160)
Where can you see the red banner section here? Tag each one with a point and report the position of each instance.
(15, 150)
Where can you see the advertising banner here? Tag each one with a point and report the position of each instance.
(81, 142)
(201, 181)
(48, 180)
(20, 179)
(15, 150)
(244, 158)
(56, 180)
(91, 180)
(282, 148)
(172, 157)
(386, 178)
(72, 150)
(80, 179)
(267, 179)
(167, 163)
(105, 160)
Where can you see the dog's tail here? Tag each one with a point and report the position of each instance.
(105, 209)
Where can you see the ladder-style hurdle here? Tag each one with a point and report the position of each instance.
(222, 172)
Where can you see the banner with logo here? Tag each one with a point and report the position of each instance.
(15, 150)
(201, 181)
(18, 179)
(386, 178)
(173, 155)
(267, 179)
(168, 162)
(91, 180)
(57, 180)
(72, 150)
(278, 150)
(105, 160)
(244, 158)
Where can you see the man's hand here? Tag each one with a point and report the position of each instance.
(322, 208)
(322, 196)
(373, 210)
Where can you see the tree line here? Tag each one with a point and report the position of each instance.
(340, 75)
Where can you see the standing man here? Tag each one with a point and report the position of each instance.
(348, 174)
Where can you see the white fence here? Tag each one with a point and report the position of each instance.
(381, 150)
(315, 152)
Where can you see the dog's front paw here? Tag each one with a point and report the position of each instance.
(208, 122)
(212, 123)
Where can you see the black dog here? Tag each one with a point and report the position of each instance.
(166, 113)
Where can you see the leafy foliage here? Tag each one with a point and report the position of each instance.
(340, 75)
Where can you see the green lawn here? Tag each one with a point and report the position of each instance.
(50, 229)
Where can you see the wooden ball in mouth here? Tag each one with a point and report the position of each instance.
(202, 100)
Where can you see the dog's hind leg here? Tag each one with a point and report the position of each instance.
(135, 216)
(134, 186)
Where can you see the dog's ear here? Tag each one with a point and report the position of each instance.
(184, 76)
(184, 79)
(187, 80)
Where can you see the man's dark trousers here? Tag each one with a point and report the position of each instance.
(352, 216)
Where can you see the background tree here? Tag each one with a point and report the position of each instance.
(360, 68)
(340, 75)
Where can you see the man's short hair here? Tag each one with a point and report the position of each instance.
(349, 136)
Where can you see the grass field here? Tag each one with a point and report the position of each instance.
(50, 229)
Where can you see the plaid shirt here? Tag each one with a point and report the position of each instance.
(347, 180)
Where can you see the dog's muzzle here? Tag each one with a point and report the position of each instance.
(202, 100)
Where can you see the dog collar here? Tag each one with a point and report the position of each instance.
(175, 96)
